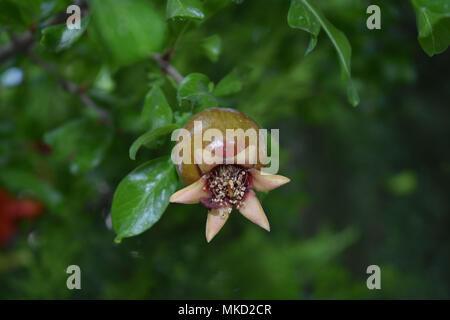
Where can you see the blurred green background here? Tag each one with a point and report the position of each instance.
(370, 185)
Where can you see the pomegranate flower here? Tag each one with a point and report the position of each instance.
(227, 177)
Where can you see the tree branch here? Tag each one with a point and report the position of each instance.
(24, 42)
(20, 44)
(167, 68)
(73, 88)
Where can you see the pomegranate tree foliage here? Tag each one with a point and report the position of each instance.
(303, 14)
(86, 116)
(433, 22)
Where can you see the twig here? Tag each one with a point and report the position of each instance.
(73, 88)
(24, 42)
(167, 68)
(169, 53)
(20, 44)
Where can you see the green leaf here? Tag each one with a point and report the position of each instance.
(82, 143)
(59, 37)
(127, 31)
(10, 14)
(212, 46)
(142, 197)
(433, 23)
(195, 89)
(231, 83)
(19, 13)
(304, 10)
(156, 112)
(300, 17)
(403, 183)
(149, 138)
(212, 7)
(186, 9)
(104, 80)
(181, 118)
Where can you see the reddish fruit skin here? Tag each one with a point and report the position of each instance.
(217, 118)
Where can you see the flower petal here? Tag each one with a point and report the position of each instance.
(252, 210)
(215, 221)
(266, 182)
(192, 193)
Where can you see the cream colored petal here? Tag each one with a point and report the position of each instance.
(192, 193)
(252, 210)
(266, 182)
(215, 221)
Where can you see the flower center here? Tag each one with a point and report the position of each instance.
(228, 185)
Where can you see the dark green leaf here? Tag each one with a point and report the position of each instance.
(10, 13)
(403, 183)
(156, 112)
(142, 197)
(186, 9)
(81, 143)
(211, 7)
(156, 78)
(181, 118)
(59, 37)
(212, 46)
(128, 31)
(149, 138)
(195, 89)
(19, 13)
(231, 83)
(433, 23)
(300, 17)
(104, 80)
(304, 10)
